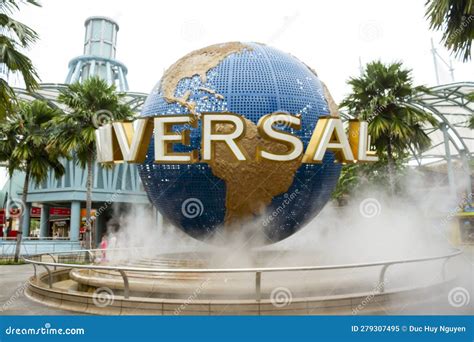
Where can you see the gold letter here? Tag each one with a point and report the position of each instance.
(165, 137)
(107, 145)
(328, 135)
(266, 130)
(133, 139)
(359, 141)
(210, 137)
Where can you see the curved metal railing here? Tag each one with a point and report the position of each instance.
(122, 270)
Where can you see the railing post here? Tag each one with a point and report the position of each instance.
(54, 259)
(381, 285)
(126, 288)
(258, 286)
(50, 277)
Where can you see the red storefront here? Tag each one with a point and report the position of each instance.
(58, 222)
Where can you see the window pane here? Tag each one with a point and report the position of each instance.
(95, 48)
(108, 32)
(107, 50)
(96, 29)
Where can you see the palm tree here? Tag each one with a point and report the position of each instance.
(456, 19)
(26, 145)
(90, 104)
(380, 96)
(15, 36)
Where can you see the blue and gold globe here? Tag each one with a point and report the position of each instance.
(275, 199)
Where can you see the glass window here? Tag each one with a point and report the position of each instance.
(108, 31)
(95, 48)
(107, 50)
(96, 29)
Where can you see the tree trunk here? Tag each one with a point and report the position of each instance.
(89, 201)
(24, 207)
(391, 168)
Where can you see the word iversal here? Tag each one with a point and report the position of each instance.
(128, 141)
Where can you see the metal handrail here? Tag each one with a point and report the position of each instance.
(257, 270)
(243, 270)
(34, 238)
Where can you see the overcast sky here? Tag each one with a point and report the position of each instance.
(330, 36)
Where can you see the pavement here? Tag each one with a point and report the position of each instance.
(13, 281)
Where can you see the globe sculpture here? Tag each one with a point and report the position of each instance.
(274, 198)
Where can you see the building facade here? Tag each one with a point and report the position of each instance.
(55, 209)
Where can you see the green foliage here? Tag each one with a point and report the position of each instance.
(456, 19)
(25, 143)
(89, 104)
(381, 97)
(5, 262)
(359, 177)
(15, 36)
(348, 180)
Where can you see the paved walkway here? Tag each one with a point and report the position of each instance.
(13, 280)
